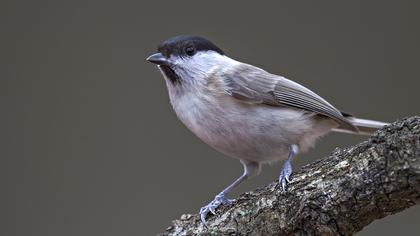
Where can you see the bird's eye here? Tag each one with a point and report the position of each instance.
(190, 51)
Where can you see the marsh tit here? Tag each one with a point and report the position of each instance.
(245, 112)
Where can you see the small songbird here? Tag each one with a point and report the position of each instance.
(245, 112)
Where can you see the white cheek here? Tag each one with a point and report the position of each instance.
(197, 69)
(204, 61)
(191, 68)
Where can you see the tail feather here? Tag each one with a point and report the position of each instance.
(366, 127)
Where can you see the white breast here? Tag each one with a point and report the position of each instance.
(246, 131)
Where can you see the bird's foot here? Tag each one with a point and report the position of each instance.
(220, 199)
(285, 174)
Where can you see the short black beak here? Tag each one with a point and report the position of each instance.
(158, 59)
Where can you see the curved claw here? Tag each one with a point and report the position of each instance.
(283, 183)
(203, 213)
(220, 199)
(212, 209)
(285, 174)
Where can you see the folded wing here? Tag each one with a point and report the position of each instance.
(253, 85)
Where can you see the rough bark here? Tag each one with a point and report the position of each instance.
(337, 195)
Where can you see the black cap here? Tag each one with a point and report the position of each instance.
(185, 45)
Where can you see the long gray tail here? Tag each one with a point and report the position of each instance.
(366, 127)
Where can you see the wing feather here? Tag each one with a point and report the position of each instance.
(253, 85)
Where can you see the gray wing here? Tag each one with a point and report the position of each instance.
(253, 85)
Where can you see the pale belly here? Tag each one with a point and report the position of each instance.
(251, 132)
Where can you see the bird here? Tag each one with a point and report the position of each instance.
(244, 111)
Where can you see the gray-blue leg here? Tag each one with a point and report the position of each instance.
(287, 170)
(250, 169)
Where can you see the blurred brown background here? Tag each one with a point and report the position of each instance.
(89, 142)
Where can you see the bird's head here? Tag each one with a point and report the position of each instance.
(187, 58)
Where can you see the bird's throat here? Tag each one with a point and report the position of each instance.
(169, 73)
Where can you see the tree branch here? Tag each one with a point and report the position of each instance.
(338, 195)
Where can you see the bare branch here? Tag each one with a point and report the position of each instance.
(338, 195)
